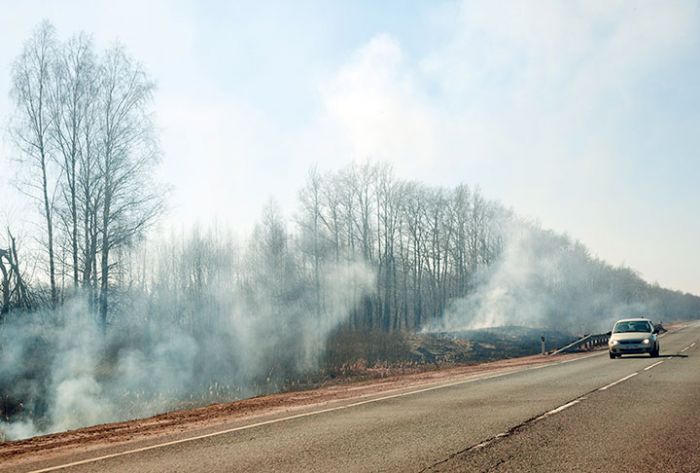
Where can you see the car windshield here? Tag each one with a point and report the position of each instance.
(639, 326)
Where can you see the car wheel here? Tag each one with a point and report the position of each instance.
(612, 356)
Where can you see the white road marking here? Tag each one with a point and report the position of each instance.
(488, 442)
(332, 409)
(355, 404)
(655, 364)
(618, 381)
(298, 416)
(308, 414)
(575, 359)
(692, 345)
(685, 349)
(560, 408)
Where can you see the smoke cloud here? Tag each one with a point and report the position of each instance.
(163, 352)
(544, 279)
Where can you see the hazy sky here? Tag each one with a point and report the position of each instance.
(583, 115)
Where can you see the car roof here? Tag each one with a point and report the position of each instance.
(637, 319)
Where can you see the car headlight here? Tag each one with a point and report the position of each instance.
(646, 341)
(614, 342)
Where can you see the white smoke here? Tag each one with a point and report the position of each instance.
(239, 343)
(546, 280)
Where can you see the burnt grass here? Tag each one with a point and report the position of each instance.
(368, 354)
(350, 356)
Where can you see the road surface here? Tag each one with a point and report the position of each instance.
(590, 414)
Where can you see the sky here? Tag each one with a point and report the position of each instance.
(584, 116)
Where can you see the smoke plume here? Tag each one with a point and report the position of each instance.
(163, 352)
(544, 279)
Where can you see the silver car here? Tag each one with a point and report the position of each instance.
(630, 336)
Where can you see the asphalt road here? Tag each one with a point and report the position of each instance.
(591, 414)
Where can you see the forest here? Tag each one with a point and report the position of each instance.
(102, 318)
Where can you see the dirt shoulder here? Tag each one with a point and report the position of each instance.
(191, 421)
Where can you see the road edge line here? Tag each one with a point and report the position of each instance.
(302, 415)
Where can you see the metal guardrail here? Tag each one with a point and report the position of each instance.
(590, 342)
(587, 342)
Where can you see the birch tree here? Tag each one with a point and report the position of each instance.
(73, 89)
(127, 153)
(31, 93)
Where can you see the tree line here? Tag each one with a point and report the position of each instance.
(424, 243)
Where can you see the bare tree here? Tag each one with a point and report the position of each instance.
(127, 153)
(310, 222)
(386, 195)
(90, 193)
(31, 92)
(73, 89)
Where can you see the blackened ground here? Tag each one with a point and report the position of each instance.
(581, 413)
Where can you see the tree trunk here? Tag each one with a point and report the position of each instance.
(49, 229)
(104, 265)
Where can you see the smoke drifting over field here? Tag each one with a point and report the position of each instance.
(239, 343)
(543, 279)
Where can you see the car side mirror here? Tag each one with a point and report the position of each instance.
(656, 330)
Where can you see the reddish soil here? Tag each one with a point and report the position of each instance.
(209, 418)
(198, 419)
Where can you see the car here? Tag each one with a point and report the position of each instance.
(631, 336)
